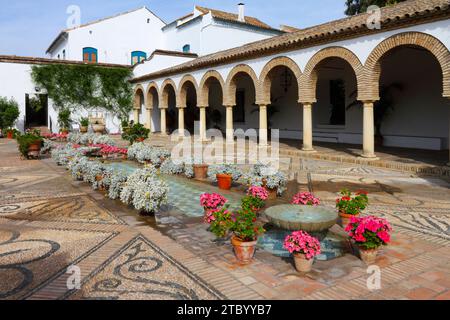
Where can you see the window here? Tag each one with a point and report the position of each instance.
(90, 55)
(187, 48)
(337, 101)
(239, 109)
(137, 57)
(64, 54)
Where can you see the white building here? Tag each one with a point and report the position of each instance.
(312, 76)
(133, 36)
(120, 39)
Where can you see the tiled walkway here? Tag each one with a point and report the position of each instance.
(49, 222)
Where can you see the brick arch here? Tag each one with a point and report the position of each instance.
(308, 83)
(137, 97)
(152, 87)
(182, 91)
(164, 95)
(203, 89)
(265, 78)
(423, 40)
(230, 86)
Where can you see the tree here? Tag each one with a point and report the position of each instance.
(9, 113)
(360, 6)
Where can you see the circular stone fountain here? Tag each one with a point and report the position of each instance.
(307, 218)
(314, 220)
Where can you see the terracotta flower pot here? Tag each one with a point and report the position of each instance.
(224, 181)
(244, 251)
(9, 134)
(83, 129)
(98, 128)
(34, 149)
(369, 257)
(98, 179)
(273, 193)
(140, 139)
(346, 218)
(200, 171)
(301, 263)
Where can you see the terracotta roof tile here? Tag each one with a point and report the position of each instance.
(234, 17)
(34, 60)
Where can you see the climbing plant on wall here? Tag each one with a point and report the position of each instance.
(86, 86)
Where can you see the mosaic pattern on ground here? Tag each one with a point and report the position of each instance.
(71, 209)
(142, 271)
(30, 257)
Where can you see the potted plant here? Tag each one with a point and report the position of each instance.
(304, 248)
(245, 234)
(9, 113)
(305, 199)
(255, 199)
(144, 190)
(98, 127)
(84, 125)
(219, 221)
(211, 202)
(136, 133)
(351, 206)
(126, 125)
(265, 176)
(224, 174)
(64, 120)
(29, 144)
(170, 167)
(196, 169)
(369, 234)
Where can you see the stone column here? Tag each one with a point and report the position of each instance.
(368, 131)
(136, 115)
(202, 123)
(181, 122)
(163, 121)
(263, 125)
(448, 164)
(148, 124)
(230, 129)
(307, 127)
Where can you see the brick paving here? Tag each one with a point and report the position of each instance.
(37, 245)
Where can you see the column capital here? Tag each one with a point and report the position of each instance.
(368, 102)
(306, 103)
(229, 106)
(201, 107)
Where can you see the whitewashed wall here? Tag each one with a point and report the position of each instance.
(207, 35)
(115, 38)
(409, 126)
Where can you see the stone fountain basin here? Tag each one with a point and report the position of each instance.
(295, 217)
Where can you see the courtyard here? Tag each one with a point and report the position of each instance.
(49, 223)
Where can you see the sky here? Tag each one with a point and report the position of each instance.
(27, 27)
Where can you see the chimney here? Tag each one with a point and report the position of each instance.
(241, 10)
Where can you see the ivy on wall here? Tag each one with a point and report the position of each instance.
(86, 86)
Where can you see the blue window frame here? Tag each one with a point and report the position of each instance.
(137, 57)
(90, 55)
(187, 48)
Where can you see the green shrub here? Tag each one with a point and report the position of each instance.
(25, 140)
(84, 122)
(137, 131)
(9, 113)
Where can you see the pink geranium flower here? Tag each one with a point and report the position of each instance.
(302, 242)
(306, 199)
(369, 232)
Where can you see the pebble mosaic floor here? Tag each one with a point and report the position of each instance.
(48, 223)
